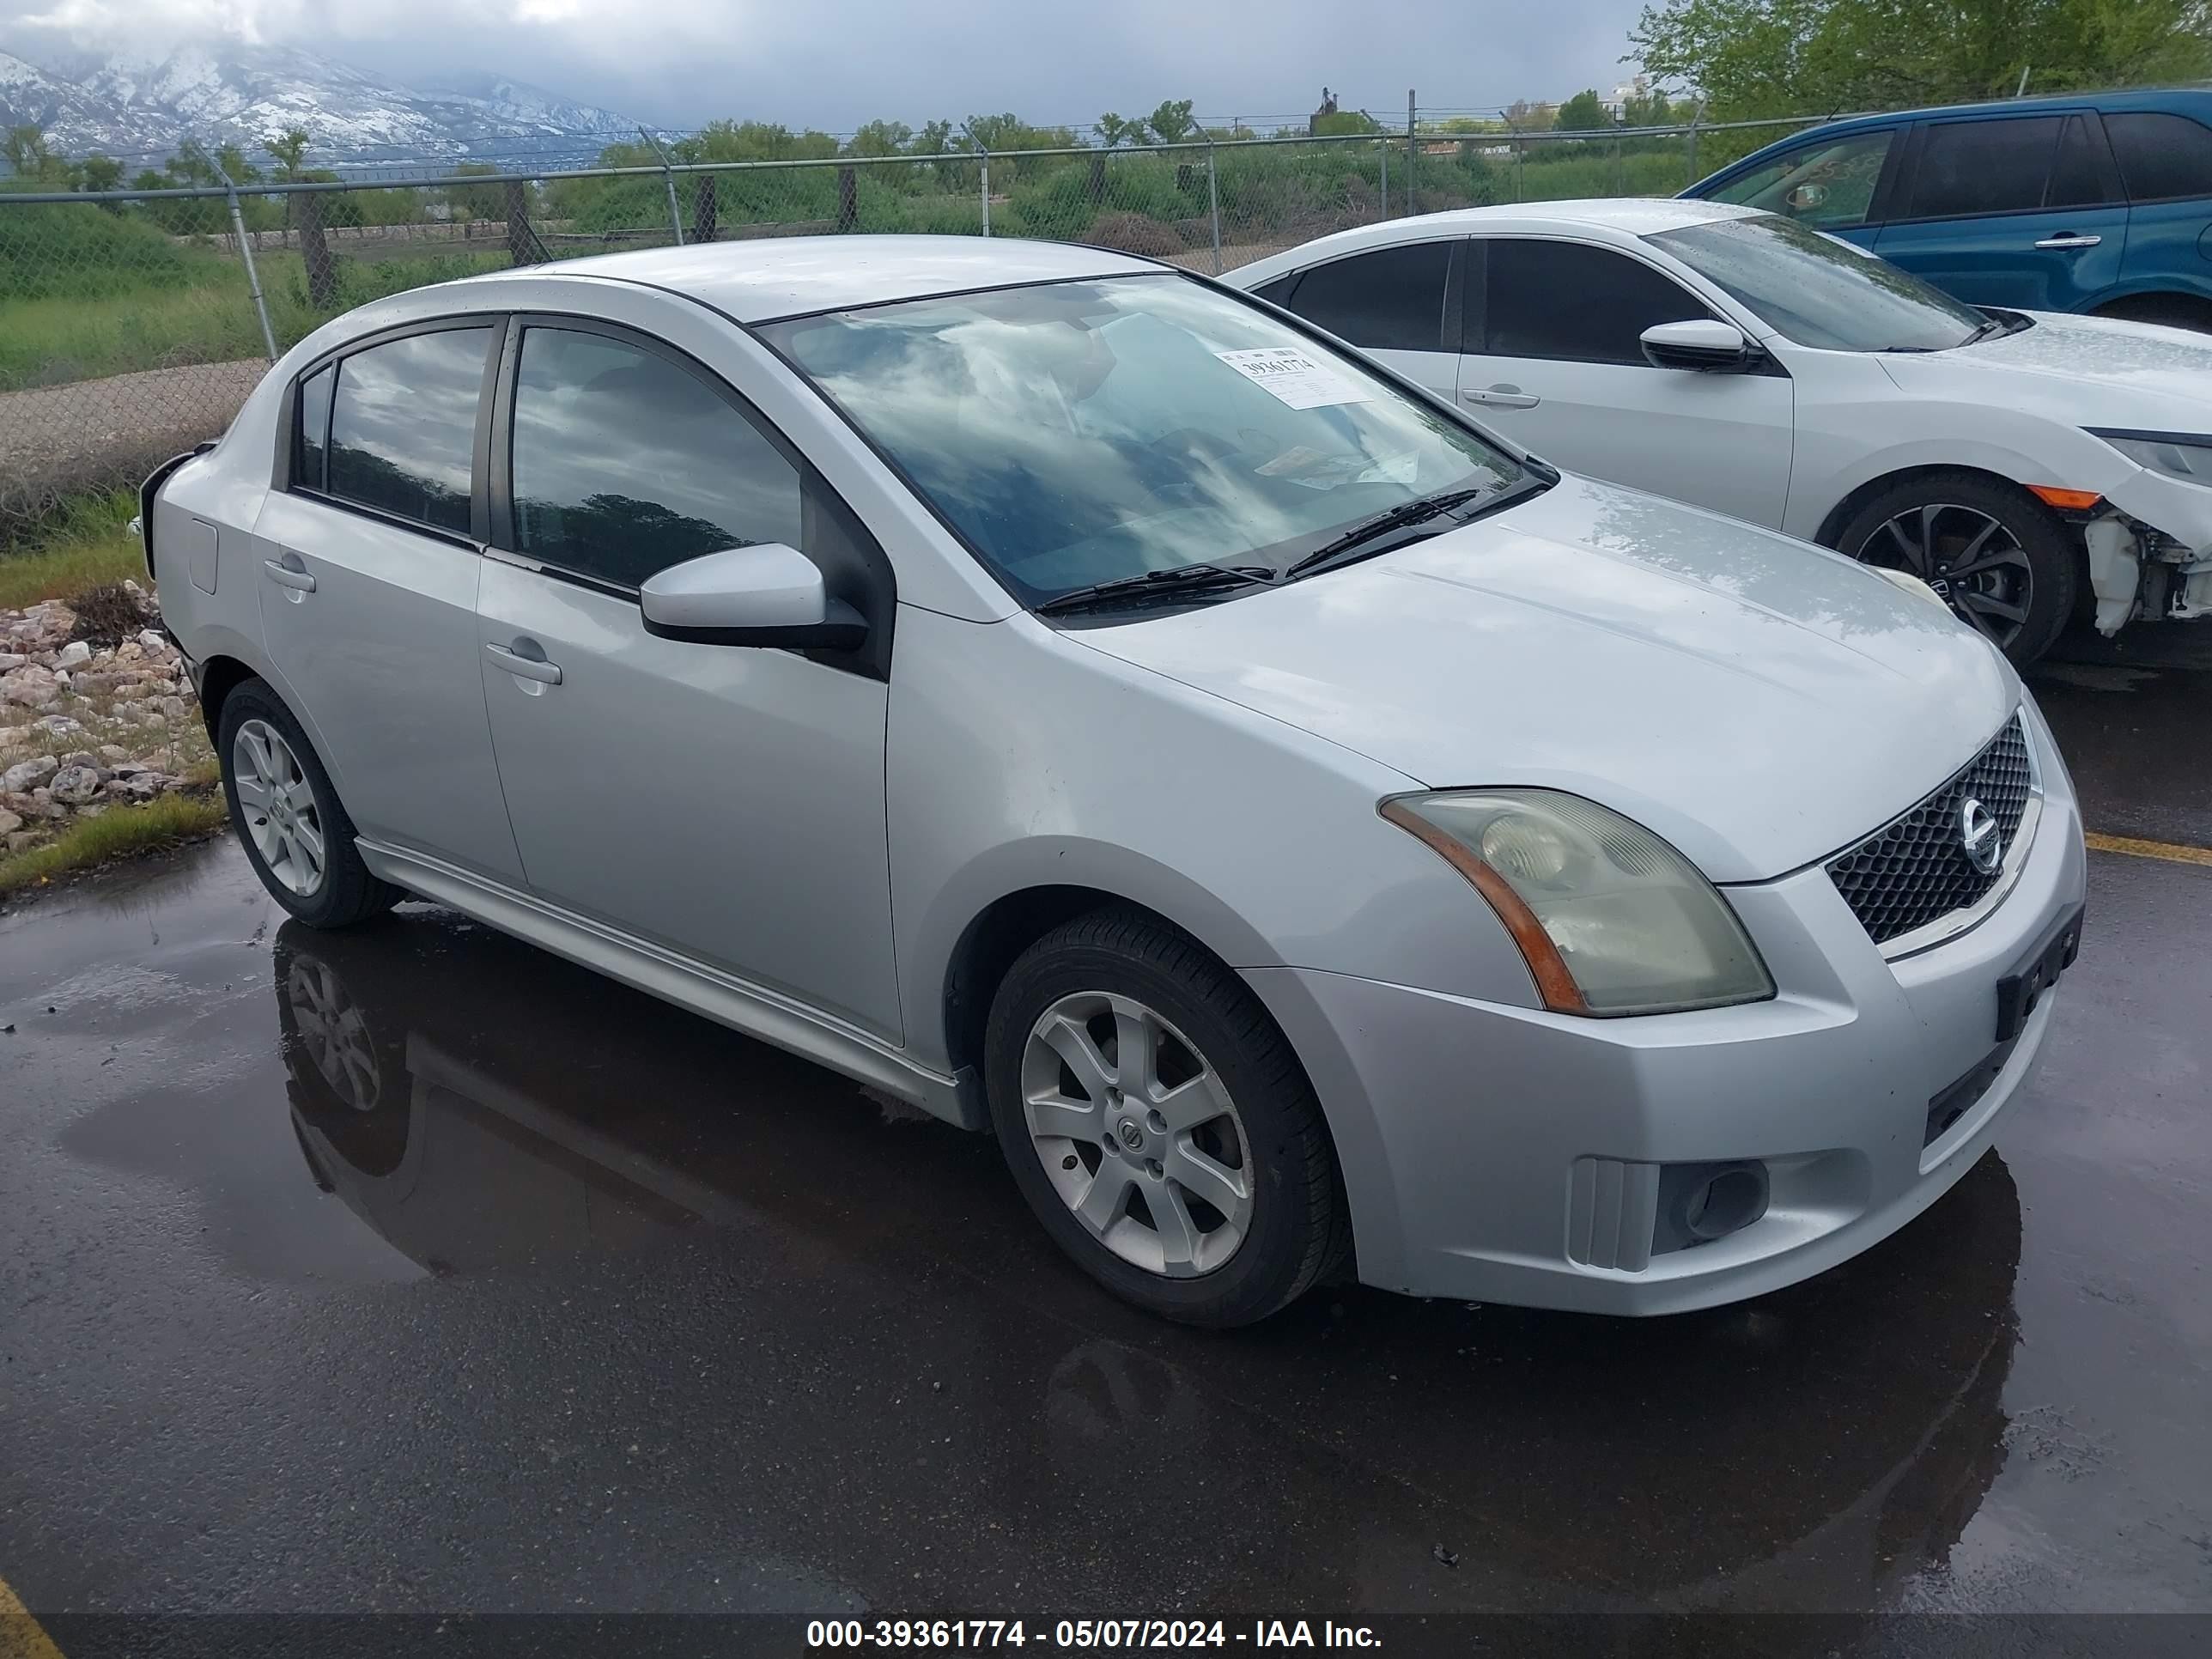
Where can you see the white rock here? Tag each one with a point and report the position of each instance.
(113, 752)
(26, 775)
(10, 660)
(130, 651)
(152, 641)
(22, 839)
(9, 823)
(74, 651)
(60, 725)
(75, 785)
(30, 686)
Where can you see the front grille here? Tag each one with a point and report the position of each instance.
(1914, 869)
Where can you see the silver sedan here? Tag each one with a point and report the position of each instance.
(1315, 836)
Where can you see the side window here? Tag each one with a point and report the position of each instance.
(625, 464)
(312, 439)
(1390, 299)
(2079, 176)
(1572, 300)
(1278, 292)
(2163, 158)
(1984, 166)
(1821, 184)
(403, 426)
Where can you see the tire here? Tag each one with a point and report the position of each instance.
(2022, 600)
(334, 890)
(1266, 1157)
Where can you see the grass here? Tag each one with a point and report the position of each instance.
(84, 542)
(119, 832)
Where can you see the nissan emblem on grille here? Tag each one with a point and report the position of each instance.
(1978, 838)
(1944, 853)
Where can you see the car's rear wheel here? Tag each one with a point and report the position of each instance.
(1159, 1124)
(289, 817)
(1991, 551)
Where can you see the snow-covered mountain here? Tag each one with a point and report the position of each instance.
(132, 106)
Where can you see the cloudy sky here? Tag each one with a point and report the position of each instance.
(834, 64)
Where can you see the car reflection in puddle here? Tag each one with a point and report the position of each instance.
(482, 1105)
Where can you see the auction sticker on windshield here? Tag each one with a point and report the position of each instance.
(1293, 377)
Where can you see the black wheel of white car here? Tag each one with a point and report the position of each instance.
(289, 817)
(1159, 1124)
(1991, 551)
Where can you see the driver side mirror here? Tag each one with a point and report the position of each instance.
(1715, 348)
(766, 594)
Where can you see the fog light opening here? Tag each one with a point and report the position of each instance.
(1700, 1203)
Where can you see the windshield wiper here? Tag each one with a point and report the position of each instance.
(1397, 518)
(1183, 580)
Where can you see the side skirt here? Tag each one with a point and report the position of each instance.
(661, 972)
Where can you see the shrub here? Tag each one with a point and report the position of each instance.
(55, 249)
(1133, 232)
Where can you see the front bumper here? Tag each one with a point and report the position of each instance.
(1506, 1154)
(2151, 557)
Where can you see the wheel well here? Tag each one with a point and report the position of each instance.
(1006, 927)
(1831, 527)
(2177, 310)
(219, 678)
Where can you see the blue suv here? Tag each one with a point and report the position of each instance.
(2098, 202)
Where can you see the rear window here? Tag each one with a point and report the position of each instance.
(404, 423)
(1391, 299)
(2162, 157)
(314, 433)
(1984, 167)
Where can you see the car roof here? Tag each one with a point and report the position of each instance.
(1625, 215)
(2194, 100)
(758, 279)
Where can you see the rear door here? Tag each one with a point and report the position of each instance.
(368, 594)
(1394, 303)
(1555, 359)
(2022, 210)
(2165, 161)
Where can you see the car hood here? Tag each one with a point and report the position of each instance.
(2083, 371)
(1756, 700)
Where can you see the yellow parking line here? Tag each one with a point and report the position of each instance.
(2135, 847)
(23, 1637)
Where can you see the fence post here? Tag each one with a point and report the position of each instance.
(1697, 109)
(984, 170)
(1214, 205)
(1410, 208)
(519, 236)
(1385, 148)
(252, 277)
(314, 251)
(675, 214)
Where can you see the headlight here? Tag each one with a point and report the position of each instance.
(1610, 919)
(1912, 585)
(2177, 454)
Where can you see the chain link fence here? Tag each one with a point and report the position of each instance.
(134, 323)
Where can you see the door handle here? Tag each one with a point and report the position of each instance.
(288, 572)
(2069, 238)
(1502, 396)
(517, 661)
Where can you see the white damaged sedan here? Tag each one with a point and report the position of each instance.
(2034, 469)
(1062, 693)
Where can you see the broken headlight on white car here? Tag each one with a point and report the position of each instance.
(2186, 456)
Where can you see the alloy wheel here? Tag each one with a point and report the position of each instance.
(1137, 1135)
(1975, 564)
(277, 806)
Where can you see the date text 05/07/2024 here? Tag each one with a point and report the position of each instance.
(1086, 1635)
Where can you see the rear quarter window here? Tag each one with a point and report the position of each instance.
(2162, 157)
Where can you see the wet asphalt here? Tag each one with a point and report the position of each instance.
(413, 1270)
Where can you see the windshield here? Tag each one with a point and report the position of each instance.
(1819, 291)
(1078, 433)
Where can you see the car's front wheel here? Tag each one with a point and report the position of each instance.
(1992, 552)
(288, 815)
(1159, 1124)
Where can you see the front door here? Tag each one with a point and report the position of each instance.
(1555, 360)
(724, 801)
(2021, 210)
(368, 595)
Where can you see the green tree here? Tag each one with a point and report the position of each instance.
(287, 152)
(1583, 113)
(469, 203)
(25, 151)
(1754, 57)
(935, 138)
(1341, 121)
(1114, 130)
(1172, 123)
(881, 139)
(97, 173)
(1653, 111)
